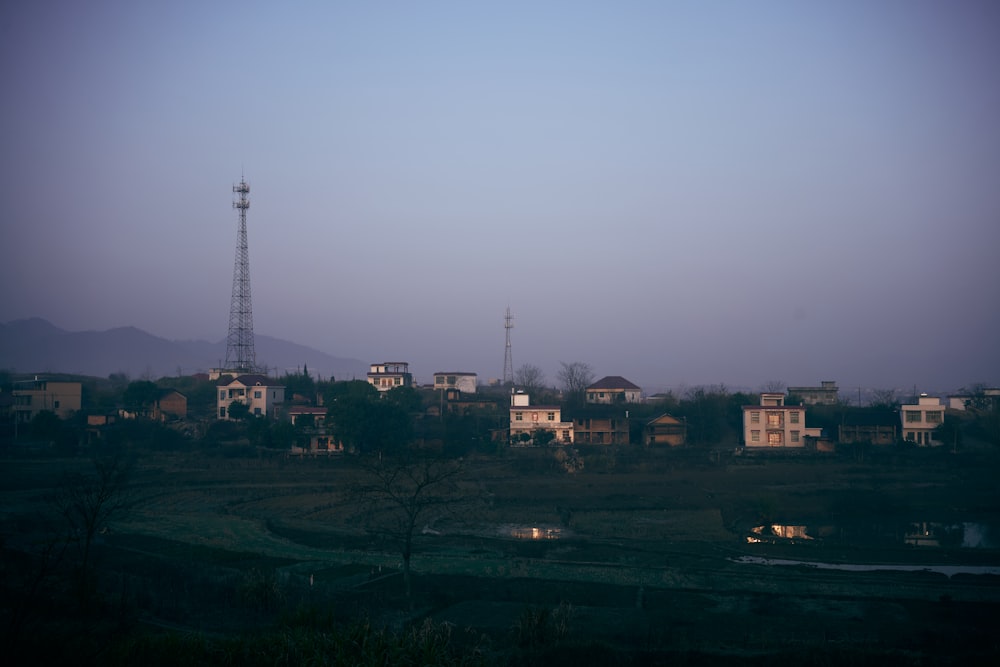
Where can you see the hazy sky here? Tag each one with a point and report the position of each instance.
(680, 193)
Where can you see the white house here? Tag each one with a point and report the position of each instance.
(774, 424)
(526, 420)
(613, 389)
(260, 394)
(464, 382)
(920, 420)
(389, 375)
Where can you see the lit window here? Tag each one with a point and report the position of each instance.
(775, 419)
(775, 438)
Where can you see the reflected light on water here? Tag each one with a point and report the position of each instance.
(532, 532)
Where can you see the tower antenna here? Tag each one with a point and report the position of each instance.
(240, 355)
(508, 363)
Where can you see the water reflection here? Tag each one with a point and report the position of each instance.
(524, 532)
(963, 535)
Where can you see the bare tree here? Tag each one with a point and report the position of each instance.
(575, 378)
(87, 502)
(396, 494)
(887, 399)
(773, 387)
(530, 378)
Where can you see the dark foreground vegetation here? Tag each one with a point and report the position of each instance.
(122, 557)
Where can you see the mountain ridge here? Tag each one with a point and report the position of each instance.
(35, 345)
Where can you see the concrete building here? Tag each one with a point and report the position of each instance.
(526, 421)
(464, 382)
(33, 396)
(920, 419)
(665, 430)
(389, 375)
(261, 395)
(825, 394)
(613, 389)
(774, 424)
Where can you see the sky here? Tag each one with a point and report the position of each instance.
(680, 193)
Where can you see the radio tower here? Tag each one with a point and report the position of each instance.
(508, 363)
(240, 355)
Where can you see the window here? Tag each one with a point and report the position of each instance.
(222, 413)
(451, 379)
(398, 381)
(795, 436)
(931, 416)
(256, 411)
(912, 416)
(256, 393)
(793, 417)
(755, 418)
(775, 438)
(775, 419)
(518, 416)
(439, 379)
(552, 416)
(565, 436)
(222, 395)
(754, 436)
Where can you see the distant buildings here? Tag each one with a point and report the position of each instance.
(261, 395)
(389, 375)
(464, 382)
(825, 394)
(613, 389)
(528, 422)
(920, 419)
(33, 396)
(774, 424)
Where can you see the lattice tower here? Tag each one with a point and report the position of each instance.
(240, 354)
(508, 362)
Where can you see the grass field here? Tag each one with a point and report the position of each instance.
(640, 558)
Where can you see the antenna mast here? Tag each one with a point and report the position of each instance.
(508, 363)
(240, 354)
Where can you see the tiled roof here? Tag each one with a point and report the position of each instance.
(613, 382)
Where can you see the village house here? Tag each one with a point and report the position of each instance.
(665, 430)
(261, 395)
(869, 427)
(389, 375)
(613, 389)
(774, 424)
(464, 382)
(526, 421)
(920, 419)
(601, 429)
(30, 397)
(826, 394)
(316, 437)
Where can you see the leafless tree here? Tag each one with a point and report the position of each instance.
(87, 502)
(530, 378)
(884, 398)
(575, 378)
(773, 387)
(397, 494)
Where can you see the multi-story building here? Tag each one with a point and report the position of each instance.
(601, 429)
(613, 389)
(826, 394)
(33, 396)
(774, 424)
(389, 375)
(464, 382)
(260, 394)
(665, 430)
(919, 420)
(526, 421)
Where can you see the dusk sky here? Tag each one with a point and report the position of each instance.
(681, 193)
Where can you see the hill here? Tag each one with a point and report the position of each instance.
(37, 346)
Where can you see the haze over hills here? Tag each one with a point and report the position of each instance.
(37, 346)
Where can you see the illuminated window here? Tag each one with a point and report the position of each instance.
(775, 419)
(754, 417)
(775, 438)
(912, 415)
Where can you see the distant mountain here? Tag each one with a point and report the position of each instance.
(37, 346)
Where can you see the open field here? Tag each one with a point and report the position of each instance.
(656, 558)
